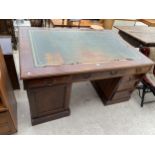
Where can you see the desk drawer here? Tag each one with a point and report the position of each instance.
(45, 82)
(126, 86)
(128, 82)
(4, 123)
(131, 78)
(4, 128)
(122, 94)
(109, 74)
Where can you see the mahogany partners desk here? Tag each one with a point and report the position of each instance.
(141, 37)
(52, 59)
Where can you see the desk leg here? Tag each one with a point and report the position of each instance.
(49, 102)
(116, 90)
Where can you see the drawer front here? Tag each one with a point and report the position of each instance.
(4, 128)
(101, 75)
(45, 82)
(126, 86)
(128, 83)
(3, 117)
(82, 77)
(4, 123)
(122, 94)
(48, 100)
(131, 78)
(137, 72)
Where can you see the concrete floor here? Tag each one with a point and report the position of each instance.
(89, 115)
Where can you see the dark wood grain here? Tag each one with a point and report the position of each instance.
(119, 89)
(6, 123)
(8, 117)
(5, 43)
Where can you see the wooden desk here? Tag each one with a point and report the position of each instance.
(149, 22)
(5, 43)
(138, 35)
(52, 59)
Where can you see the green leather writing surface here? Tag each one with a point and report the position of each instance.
(64, 47)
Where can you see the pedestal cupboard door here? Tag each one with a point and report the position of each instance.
(48, 100)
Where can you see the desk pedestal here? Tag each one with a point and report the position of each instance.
(117, 89)
(48, 101)
(49, 97)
